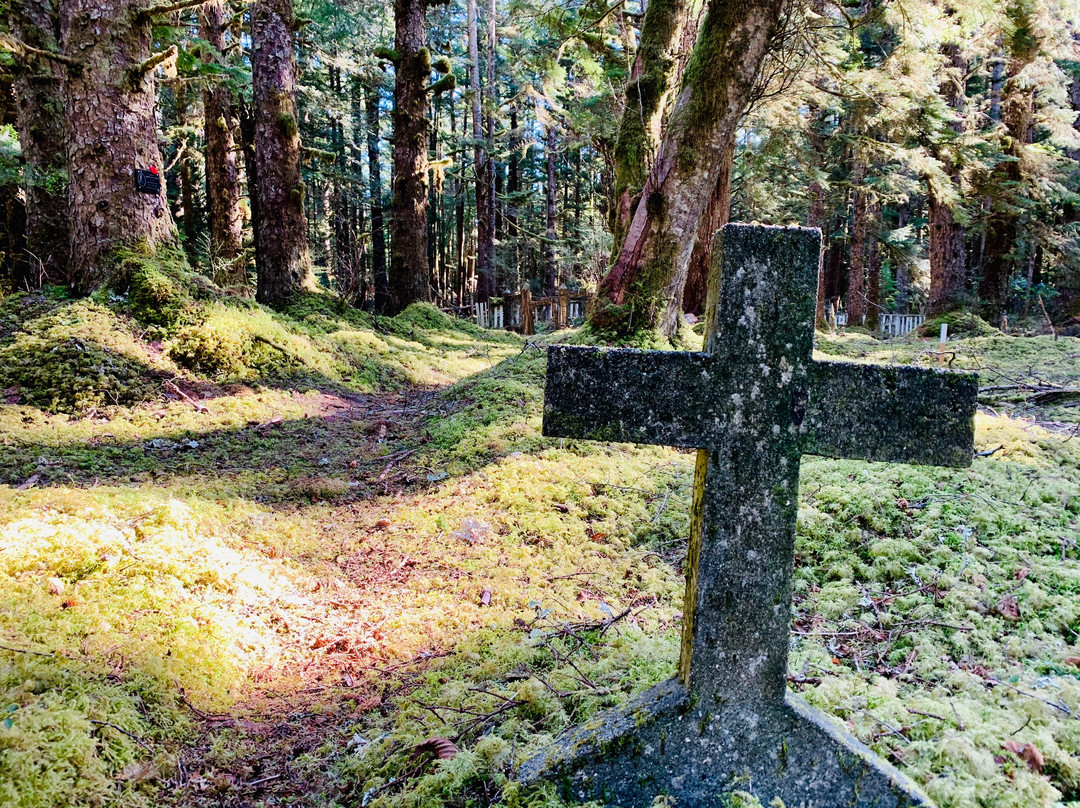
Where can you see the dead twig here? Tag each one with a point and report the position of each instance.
(198, 407)
(123, 731)
(1054, 704)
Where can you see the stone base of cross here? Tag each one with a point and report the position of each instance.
(752, 404)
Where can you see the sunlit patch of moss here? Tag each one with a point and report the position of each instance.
(928, 586)
(902, 581)
(113, 605)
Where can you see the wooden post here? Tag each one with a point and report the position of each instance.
(527, 327)
(564, 307)
(941, 342)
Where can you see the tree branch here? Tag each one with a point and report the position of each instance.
(171, 8)
(136, 73)
(8, 42)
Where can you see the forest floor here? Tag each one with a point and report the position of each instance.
(255, 559)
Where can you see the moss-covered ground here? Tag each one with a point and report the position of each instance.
(259, 559)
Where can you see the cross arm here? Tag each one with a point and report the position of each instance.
(630, 396)
(897, 414)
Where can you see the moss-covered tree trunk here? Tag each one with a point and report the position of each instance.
(408, 281)
(716, 88)
(40, 122)
(282, 259)
(653, 77)
(111, 129)
(222, 168)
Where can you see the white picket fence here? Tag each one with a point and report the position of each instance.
(486, 317)
(890, 325)
(521, 311)
(896, 325)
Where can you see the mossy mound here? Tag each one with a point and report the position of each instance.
(161, 289)
(961, 324)
(71, 356)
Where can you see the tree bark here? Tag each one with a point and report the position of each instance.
(551, 235)
(1017, 107)
(653, 78)
(375, 194)
(222, 170)
(856, 293)
(873, 268)
(282, 260)
(408, 282)
(948, 253)
(485, 235)
(110, 130)
(717, 213)
(513, 187)
(815, 213)
(40, 121)
(717, 87)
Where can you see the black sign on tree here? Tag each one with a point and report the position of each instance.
(147, 180)
(752, 404)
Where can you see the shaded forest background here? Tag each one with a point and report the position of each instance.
(935, 144)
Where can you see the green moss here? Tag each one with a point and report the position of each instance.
(286, 122)
(161, 289)
(73, 356)
(961, 324)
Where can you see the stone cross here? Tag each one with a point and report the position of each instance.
(751, 404)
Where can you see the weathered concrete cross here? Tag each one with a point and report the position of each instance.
(751, 404)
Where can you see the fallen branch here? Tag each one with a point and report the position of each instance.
(131, 735)
(1047, 702)
(1047, 316)
(172, 386)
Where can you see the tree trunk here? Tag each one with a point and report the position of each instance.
(551, 236)
(40, 121)
(1001, 256)
(718, 213)
(375, 194)
(187, 201)
(246, 128)
(717, 87)
(222, 170)
(408, 224)
(652, 80)
(815, 213)
(282, 261)
(485, 236)
(513, 187)
(948, 256)
(491, 105)
(110, 130)
(873, 269)
(948, 253)
(856, 293)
